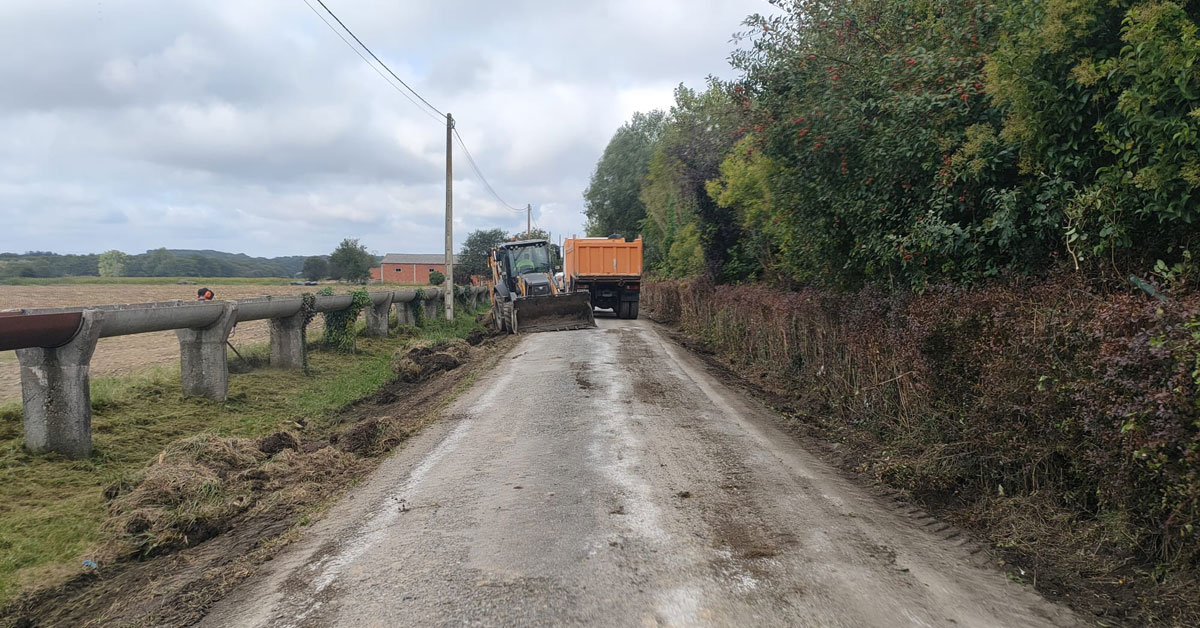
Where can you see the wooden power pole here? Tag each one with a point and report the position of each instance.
(449, 283)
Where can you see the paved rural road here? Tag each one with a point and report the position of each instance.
(604, 477)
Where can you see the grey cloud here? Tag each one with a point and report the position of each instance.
(113, 217)
(250, 127)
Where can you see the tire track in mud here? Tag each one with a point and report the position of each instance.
(742, 539)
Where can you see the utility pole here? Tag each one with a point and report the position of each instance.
(449, 283)
(528, 219)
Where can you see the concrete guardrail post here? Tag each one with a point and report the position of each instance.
(404, 312)
(287, 341)
(430, 303)
(204, 366)
(56, 395)
(377, 316)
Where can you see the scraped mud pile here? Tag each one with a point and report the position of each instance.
(197, 486)
(424, 361)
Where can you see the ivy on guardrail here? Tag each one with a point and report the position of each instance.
(308, 311)
(340, 325)
(417, 307)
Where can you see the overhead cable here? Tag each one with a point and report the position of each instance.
(442, 118)
(372, 65)
(377, 59)
(479, 173)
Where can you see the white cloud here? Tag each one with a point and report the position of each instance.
(250, 127)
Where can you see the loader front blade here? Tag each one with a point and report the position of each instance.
(553, 312)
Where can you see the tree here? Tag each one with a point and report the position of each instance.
(112, 263)
(351, 262)
(159, 263)
(533, 234)
(612, 199)
(316, 268)
(700, 129)
(541, 234)
(436, 278)
(472, 260)
(1104, 95)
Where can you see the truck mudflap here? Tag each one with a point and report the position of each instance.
(555, 312)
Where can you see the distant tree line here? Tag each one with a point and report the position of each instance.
(155, 263)
(350, 261)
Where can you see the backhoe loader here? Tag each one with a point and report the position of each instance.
(525, 297)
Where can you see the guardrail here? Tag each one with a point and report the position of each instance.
(55, 345)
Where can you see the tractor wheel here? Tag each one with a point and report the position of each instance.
(501, 316)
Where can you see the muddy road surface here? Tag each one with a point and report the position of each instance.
(605, 477)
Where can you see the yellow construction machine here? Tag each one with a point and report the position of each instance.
(525, 297)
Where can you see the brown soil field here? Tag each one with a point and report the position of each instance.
(130, 354)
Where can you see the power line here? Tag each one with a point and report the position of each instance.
(372, 65)
(385, 66)
(479, 173)
(470, 159)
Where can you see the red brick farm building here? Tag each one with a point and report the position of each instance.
(410, 267)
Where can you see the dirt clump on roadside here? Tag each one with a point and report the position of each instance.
(190, 493)
(359, 438)
(278, 442)
(190, 526)
(423, 361)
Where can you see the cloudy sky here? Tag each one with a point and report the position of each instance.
(248, 126)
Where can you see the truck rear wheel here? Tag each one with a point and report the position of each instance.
(633, 309)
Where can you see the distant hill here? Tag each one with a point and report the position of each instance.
(291, 264)
(155, 263)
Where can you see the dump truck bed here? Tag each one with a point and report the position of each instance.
(602, 258)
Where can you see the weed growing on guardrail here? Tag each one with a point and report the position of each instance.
(308, 309)
(340, 325)
(417, 307)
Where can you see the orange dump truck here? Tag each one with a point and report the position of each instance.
(608, 268)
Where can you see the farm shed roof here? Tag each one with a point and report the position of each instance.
(416, 258)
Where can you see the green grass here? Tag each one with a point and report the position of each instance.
(441, 329)
(51, 508)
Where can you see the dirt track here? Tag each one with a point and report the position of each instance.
(604, 477)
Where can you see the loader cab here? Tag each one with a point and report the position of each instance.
(530, 258)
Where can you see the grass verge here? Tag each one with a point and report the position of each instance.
(52, 509)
